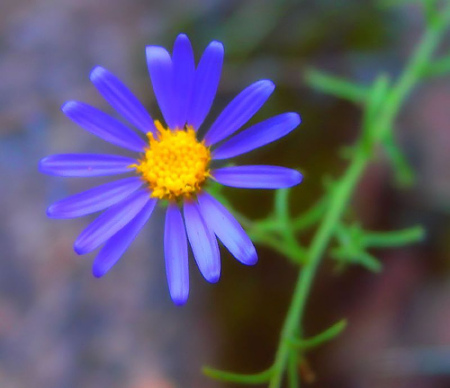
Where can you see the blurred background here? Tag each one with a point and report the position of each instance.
(62, 328)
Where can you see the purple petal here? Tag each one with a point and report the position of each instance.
(85, 165)
(239, 111)
(176, 255)
(206, 81)
(183, 78)
(103, 126)
(121, 98)
(227, 229)
(119, 243)
(95, 199)
(160, 68)
(110, 222)
(257, 177)
(203, 243)
(258, 135)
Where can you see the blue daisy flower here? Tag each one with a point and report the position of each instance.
(173, 164)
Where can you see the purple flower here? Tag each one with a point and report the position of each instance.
(173, 164)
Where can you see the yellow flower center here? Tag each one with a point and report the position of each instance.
(175, 164)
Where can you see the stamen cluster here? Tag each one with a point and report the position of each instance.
(175, 164)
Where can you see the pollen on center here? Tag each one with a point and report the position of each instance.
(175, 163)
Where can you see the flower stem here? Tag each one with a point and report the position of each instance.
(374, 130)
(315, 253)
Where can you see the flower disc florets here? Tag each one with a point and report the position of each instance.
(175, 164)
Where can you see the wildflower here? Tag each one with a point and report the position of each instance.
(173, 164)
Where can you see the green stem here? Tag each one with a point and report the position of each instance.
(413, 71)
(318, 246)
(310, 217)
(344, 190)
(287, 232)
(293, 379)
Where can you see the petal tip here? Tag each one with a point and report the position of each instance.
(215, 44)
(297, 177)
(182, 36)
(179, 300)
(79, 249)
(97, 72)
(98, 272)
(68, 106)
(152, 50)
(42, 165)
(296, 119)
(50, 212)
(252, 258)
(213, 278)
(149, 50)
(267, 84)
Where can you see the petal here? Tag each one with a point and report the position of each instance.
(257, 177)
(119, 243)
(176, 255)
(121, 98)
(206, 81)
(110, 222)
(160, 68)
(227, 229)
(258, 135)
(103, 125)
(203, 243)
(95, 199)
(85, 165)
(183, 78)
(239, 111)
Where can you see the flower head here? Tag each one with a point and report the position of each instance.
(173, 164)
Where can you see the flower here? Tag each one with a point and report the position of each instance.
(173, 165)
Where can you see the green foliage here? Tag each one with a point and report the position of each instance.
(249, 379)
(347, 243)
(437, 68)
(336, 86)
(326, 336)
(353, 243)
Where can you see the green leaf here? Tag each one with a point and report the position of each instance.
(437, 68)
(250, 379)
(350, 240)
(404, 174)
(293, 251)
(335, 86)
(368, 261)
(396, 238)
(431, 10)
(326, 336)
(357, 256)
